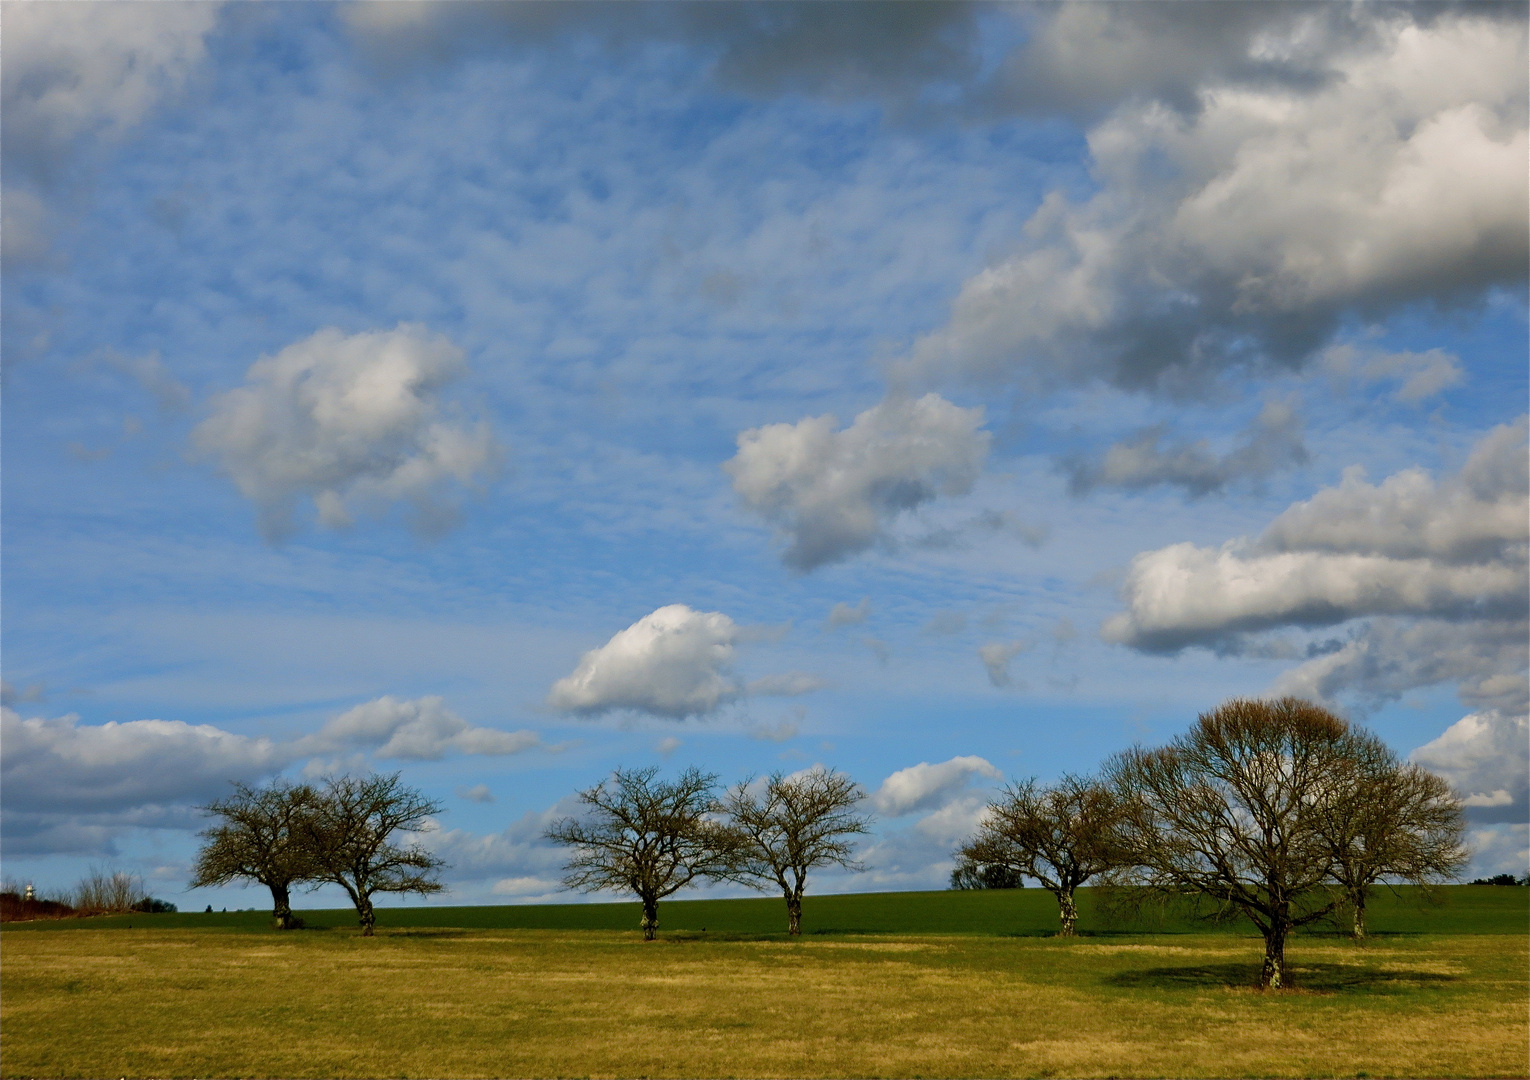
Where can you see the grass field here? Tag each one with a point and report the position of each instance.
(221, 995)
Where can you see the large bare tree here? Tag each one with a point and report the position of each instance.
(261, 838)
(792, 825)
(646, 836)
(1241, 810)
(1387, 821)
(1060, 835)
(351, 835)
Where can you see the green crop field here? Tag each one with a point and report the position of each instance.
(912, 984)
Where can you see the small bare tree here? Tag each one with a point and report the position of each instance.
(1235, 811)
(1389, 821)
(262, 838)
(103, 892)
(350, 835)
(646, 836)
(794, 824)
(1061, 836)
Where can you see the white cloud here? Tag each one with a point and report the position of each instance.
(1407, 546)
(521, 850)
(1240, 224)
(478, 793)
(1273, 441)
(925, 786)
(423, 729)
(1486, 757)
(349, 422)
(835, 493)
(668, 745)
(61, 765)
(996, 656)
(675, 662)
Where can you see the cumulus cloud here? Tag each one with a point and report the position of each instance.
(996, 656)
(420, 730)
(1238, 227)
(676, 662)
(926, 787)
(834, 493)
(61, 765)
(1408, 546)
(478, 793)
(520, 854)
(349, 422)
(1273, 441)
(1486, 757)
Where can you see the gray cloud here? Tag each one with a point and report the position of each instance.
(348, 422)
(61, 766)
(843, 614)
(1273, 441)
(834, 493)
(996, 656)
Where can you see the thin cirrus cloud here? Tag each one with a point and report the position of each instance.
(675, 662)
(833, 493)
(348, 422)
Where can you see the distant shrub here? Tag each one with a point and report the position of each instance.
(969, 875)
(152, 906)
(15, 907)
(1501, 879)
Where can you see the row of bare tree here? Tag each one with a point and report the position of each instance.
(1275, 810)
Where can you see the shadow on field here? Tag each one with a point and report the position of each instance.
(1315, 977)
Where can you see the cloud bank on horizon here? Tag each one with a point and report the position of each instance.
(1199, 326)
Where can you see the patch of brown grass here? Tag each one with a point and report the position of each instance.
(549, 1003)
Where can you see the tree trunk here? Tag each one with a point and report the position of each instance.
(1067, 911)
(794, 915)
(368, 915)
(281, 906)
(650, 922)
(1273, 976)
(1359, 931)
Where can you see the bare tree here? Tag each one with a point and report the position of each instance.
(646, 836)
(1061, 836)
(794, 824)
(350, 833)
(1389, 821)
(260, 839)
(1235, 811)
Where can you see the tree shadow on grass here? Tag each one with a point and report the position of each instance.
(1320, 978)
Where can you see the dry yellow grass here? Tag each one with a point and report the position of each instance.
(547, 1003)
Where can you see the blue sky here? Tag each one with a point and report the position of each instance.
(505, 393)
